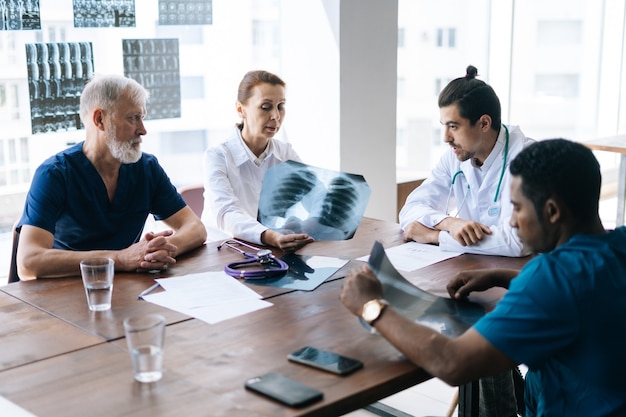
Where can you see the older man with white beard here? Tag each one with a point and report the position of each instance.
(92, 199)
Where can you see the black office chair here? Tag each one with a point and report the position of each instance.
(13, 276)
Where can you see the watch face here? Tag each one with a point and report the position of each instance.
(371, 310)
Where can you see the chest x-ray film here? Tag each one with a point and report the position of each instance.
(325, 204)
(447, 316)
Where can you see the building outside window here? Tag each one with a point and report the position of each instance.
(446, 37)
(555, 76)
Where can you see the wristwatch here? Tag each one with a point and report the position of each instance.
(373, 309)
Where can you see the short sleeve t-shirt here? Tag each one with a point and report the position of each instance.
(68, 198)
(563, 316)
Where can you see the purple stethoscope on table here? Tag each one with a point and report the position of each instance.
(269, 265)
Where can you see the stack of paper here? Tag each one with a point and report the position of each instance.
(209, 296)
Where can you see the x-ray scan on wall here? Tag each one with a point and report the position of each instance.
(104, 13)
(188, 12)
(325, 204)
(154, 63)
(19, 15)
(57, 73)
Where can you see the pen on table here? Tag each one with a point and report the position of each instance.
(147, 291)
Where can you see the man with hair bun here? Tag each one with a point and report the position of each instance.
(463, 205)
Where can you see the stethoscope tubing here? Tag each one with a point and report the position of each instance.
(263, 257)
(460, 172)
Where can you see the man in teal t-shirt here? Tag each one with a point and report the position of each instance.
(563, 315)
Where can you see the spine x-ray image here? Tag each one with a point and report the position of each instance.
(57, 73)
(19, 15)
(104, 13)
(298, 198)
(154, 63)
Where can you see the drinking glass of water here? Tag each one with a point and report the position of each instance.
(145, 336)
(97, 276)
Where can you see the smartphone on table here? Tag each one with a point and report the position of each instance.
(284, 389)
(325, 360)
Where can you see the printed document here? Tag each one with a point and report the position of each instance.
(412, 255)
(208, 296)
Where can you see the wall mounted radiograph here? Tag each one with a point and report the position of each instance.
(154, 63)
(325, 204)
(19, 15)
(104, 13)
(57, 73)
(188, 12)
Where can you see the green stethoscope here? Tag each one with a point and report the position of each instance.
(493, 209)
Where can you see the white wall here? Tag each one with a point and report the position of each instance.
(311, 71)
(343, 116)
(368, 82)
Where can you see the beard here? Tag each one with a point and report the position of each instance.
(463, 155)
(123, 151)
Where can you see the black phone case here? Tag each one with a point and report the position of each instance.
(317, 358)
(283, 389)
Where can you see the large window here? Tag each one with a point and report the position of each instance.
(211, 59)
(9, 101)
(14, 163)
(557, 85)
(559, 32)
(556, 74)
(446, 37)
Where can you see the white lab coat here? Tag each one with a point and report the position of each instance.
(427, 203)
(232, 187)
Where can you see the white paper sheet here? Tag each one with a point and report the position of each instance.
(412, 255)
(7, 408)
(326, 262)
(209, 296)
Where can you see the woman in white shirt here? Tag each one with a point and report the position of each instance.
(234, 169)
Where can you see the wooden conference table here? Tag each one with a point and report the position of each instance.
(60, 359)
